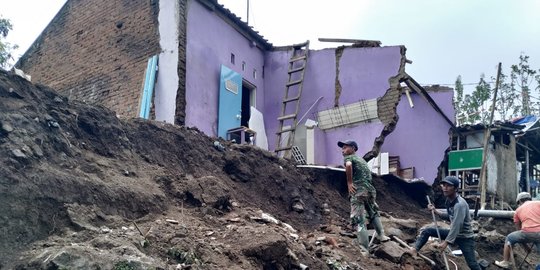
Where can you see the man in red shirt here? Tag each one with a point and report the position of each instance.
(527, 220)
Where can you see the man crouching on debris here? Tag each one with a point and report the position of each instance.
(527, 220)
(460, 231)
(362, 194)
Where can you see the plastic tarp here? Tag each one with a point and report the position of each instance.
(256, 123)
(528, 121)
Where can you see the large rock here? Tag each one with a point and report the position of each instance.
(391, 251)
(405, 229)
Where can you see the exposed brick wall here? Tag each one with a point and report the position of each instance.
(387, 104)
(387, 107)
(180, 113)
(96, 51)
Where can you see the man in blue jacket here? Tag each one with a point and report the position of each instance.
(460, 232)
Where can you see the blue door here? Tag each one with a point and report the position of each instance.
(230, 101)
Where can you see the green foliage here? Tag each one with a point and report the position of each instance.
(5, 47)
(473, 108)
(518, 95)
(523, 76)
(507, 97)
(5, 27)
(184, 257)
(123, 265)
(335, 264)
(458, 95)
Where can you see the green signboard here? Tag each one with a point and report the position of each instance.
(468, 159)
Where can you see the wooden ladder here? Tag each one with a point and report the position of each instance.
(291, 100)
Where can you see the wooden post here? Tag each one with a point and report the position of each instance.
(527, 172)
(487, 135)
(462, 183)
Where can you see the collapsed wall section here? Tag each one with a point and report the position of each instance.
(97, 52)
(387, 107)
(420, 136)
(344, 84)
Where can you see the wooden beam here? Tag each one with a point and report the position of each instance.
(408, 94)
(346, 40)
(487, 135)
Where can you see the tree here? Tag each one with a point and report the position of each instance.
(522, 75)
(507, 98)
(537, 99)
(5, 47)
(473, 108)
(481, 95)
(458, 100)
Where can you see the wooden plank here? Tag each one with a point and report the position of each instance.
(291, 99)
(289, 116)
(294, 83)
(296, 69)
(346, 40)
(483, 171)
(303, 57)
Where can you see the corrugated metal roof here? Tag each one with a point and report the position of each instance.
(497, 124)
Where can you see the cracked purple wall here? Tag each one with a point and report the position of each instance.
(364, 73)
(421, 135)
(210, 42)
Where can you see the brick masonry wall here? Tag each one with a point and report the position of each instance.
(96, 51)
(180, 113)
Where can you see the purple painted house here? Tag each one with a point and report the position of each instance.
(370, 77)
(216, 73)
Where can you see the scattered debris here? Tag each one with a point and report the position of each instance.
(172, 221)
(72, 205)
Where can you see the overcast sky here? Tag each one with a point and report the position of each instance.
(444, 39)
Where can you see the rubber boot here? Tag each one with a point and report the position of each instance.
(379, 229)
(363, 237)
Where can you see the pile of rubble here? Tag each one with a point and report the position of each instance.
(82, 189)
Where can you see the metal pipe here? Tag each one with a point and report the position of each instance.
(485, 213)
(301, 118)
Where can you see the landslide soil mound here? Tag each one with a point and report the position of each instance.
(82, 189)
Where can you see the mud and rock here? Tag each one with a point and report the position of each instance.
(83, 189)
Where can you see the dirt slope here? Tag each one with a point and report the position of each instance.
(82, 189)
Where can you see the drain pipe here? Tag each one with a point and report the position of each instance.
(308, 110)
(302, 118)
(485, 213)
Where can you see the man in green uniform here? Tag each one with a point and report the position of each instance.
(362, 194)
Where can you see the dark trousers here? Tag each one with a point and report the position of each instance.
(467, 245)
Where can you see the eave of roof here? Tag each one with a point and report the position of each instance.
(237, 22)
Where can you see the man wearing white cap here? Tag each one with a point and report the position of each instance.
(527, 220)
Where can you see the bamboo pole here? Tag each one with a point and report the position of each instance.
(404, 244)
(438, 234)
(487, 135)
